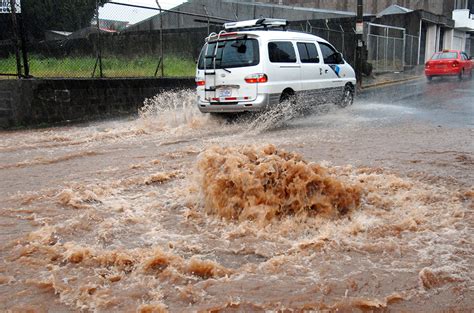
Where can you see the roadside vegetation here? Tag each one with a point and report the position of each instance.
(112, 66)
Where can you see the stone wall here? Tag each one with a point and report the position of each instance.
(30, 102)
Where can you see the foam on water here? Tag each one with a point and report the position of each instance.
(261, 184)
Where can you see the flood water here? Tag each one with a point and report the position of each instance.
(367, 208)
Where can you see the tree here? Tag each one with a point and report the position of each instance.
(64, 15)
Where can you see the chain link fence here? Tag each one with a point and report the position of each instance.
(10, 41)
(123, 40)
(386, 47)
(411, 50)
(340, 33)
(105, 46)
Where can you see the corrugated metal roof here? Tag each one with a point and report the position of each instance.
(394, 9)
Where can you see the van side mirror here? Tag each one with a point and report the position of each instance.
(339, 58)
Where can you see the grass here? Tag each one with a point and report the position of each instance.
(112, 66)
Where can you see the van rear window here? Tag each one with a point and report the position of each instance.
(230, 53)
(281, 52)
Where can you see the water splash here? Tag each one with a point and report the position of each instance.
(261, 184)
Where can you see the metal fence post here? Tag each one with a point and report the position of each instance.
(162, 60)
(394, 56)
(403, 50)
(16, 38)
(26, 66)
(99, 43)
(343, 48)
(208, 21)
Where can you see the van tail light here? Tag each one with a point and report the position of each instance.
(455, 64)
(200, 83)
(256, 78)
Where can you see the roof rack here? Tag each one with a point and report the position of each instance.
(262, 23)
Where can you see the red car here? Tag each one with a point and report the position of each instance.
(449, 63)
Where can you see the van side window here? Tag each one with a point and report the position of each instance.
(281, 52)
(308, 52)
(329, 54)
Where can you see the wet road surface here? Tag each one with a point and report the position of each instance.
(178, 211)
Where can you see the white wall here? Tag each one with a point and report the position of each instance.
(459, 40)
(448, 39)
(432, 39)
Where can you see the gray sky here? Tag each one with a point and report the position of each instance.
(134, 15)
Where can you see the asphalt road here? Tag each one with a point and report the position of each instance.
(444, 101)
(110, 216)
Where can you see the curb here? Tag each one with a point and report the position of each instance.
(391, 82)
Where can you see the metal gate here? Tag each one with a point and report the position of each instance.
(386, 47)
(411, 50)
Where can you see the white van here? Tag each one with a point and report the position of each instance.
(255, 64)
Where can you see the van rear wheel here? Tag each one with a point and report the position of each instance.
(347, 97)
(288, 96)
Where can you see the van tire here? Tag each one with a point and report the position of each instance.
(347, 97)
(288, 95)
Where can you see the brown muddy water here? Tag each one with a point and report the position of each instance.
(181, 212)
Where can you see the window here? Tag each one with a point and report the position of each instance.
(281, 52)
(230, 54)
(329, 54)
(308, 52)
(460, 4)
(445, 55)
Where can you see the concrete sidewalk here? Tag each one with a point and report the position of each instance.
(381, 79)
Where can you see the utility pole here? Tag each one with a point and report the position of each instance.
(359, 40)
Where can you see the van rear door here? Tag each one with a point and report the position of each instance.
(225, 64)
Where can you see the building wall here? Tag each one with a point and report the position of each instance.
(231, 10)
(459, 40)
(431, 41)
(448, 39)
(442, 7)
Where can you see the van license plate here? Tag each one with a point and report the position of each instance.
(225, 92)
